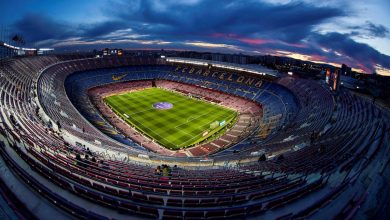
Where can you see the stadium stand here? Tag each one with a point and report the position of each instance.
(311, 154)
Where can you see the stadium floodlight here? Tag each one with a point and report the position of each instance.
(46, 49)
(18, 48)
(29, 49)
(222, 65)
(187, 61)
(11, 46)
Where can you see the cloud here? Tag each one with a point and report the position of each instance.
(286, 28)
(382, 71)
(369, 30)
(101, 28)
(37, 27)
(377, 30)
(82, 42)
(342, 48)
(213, 45)
(289, 22)
(196, 20)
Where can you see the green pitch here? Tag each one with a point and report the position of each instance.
(185, 124)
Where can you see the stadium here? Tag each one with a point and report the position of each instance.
(123, 129)
(285, 140)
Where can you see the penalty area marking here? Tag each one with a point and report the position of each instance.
(195, 136)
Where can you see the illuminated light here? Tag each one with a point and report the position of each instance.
(10, 46)
(187, 61)
(163, 57)
(290, 73)
(18, 48)
(219, 64)
(45, 49)
(327, 76)
(31, 49)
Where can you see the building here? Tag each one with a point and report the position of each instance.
(114, 51)
(346, 70)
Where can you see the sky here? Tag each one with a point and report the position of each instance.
(354, 32)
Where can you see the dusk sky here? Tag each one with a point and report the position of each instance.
(354, 32)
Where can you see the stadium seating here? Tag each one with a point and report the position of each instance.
(321, 150)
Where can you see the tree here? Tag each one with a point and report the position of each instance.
(18, 39)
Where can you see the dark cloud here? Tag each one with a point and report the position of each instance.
(369, 30)
(102, 28)
(377, 30)
(176, 21)
(37, 27)
(291, 22)
(244, 24)
(352, 52)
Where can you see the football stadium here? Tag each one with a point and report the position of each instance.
(116, 133)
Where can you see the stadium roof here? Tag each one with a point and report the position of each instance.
(3, 44)
(252, 68)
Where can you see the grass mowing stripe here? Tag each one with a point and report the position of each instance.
(213, 132)
(178, 127)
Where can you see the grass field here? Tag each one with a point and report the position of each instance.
(181, 126)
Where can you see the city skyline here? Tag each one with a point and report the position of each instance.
(335, 32)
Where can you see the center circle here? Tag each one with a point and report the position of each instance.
(162, 105)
